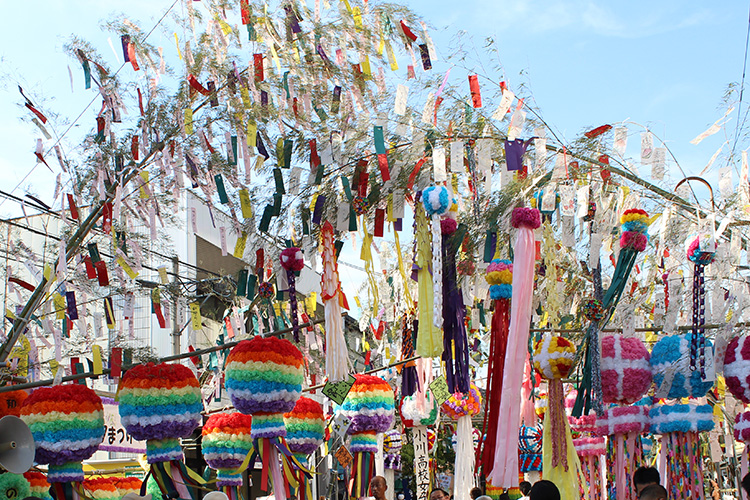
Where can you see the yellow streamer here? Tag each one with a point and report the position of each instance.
(401, 270)
(366, 255)
(566, 480)
(429, 338)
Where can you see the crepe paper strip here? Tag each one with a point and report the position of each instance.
(287, 152)
(335, 103)
(101, 273)
(195, 85)
(424, 53)
(18, 281)
(214, 99)
(109, 312)
(279, 180)
(131, 56)
(415, 172)
(352, 219)
(245, 204)
(409, 34)
(455, 342)
(261, 147)
(125, 41)
(379, 222)
(476, 96)
(377, 133)
(242, 282)
(277, 204)
(219, 180)
(347, 188)
(362, 185)
(318, 210)
(265, 220)
(239, 246)
(597, 131)
(383, 165)
(252, 280)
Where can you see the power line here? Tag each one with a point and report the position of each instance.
(742, 90)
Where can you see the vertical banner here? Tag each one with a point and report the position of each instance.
(421, 462)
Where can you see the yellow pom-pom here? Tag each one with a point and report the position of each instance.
(554, 357)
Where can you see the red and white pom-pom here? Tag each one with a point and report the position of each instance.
(742, 427)
(737, 368)
(582, 424)
(292, 259)
(626, 372)
(622, 420)
(589, 446)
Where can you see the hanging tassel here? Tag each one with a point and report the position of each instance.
(464, 466)
(505, 468)
(429, 338)
(337, 355)
(455, 342)
(293, 260)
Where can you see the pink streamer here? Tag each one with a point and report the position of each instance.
(278, 478)
(505, 471)
(620, 472)
(528, 413)
(179, 481)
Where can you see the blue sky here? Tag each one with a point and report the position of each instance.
(662, 64)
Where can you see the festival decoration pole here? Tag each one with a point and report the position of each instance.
(505, 470)
(305, 432)
(369, 406)
(264, 379)
(161, 404)
(67, 423)
(226, 443)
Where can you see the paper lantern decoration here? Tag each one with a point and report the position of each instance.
(554, 357)
(266, 290)
(679, 426)
(476, 436)
(293, 260)
(742, 427)
(701, 256)
(500, 278)
(626, 372)
(369, 407)
(589, 446)
(225, 444)
(583, 424)
(673, 353)
(67, 423)
(592, 310)
(39, 487)
(412, 416)
(623, 420)
(160, 403)
(530, 448)
(360, 204)
(392, 444)
(305, 427)
(264, 379)
(736, 372)
(590, 452)
(14, 487)
(129, 484)
(436, 200)
(100, 488)
(11, 402)
(463, 405)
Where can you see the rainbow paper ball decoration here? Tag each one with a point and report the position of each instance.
(694, 253)
(500, 278)
(463, 405)
(265, 290)
(160, 403)
(590, 446)
(742, 427)
(13, 487)
(592, 310)
(38, 485)
(411, 415)
(11, 402)
(681, 418)
(626, 372)
(225, 444)
(369, 405)
(673, 353)
(554, 357)
(623, 420)
(634, 224)
(529, 218)
(67, 423)
(360, 204)
(101, 488)
(292, 259)
(129, 484)
(737, 368)
(264, 378)
(436, 200)
(305, 426)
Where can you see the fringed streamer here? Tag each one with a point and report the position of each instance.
(698, 339)
(528, 412)
(558, 423)
(409, 378)
(429, 338)
(624, 455)
(455, 342)
(337, 354)
(424, 379)
(625, 263)
(566, 478)
(684, 466)
(505, 468)
(592, 482)
(437, 271)
(496, 364)
(364, 467)
(290, 277)
(464, 465)
(590, 387)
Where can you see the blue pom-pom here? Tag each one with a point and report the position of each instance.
(503, 291)
(436, 200)
(638, 226)
(681, 418)
(673, 352)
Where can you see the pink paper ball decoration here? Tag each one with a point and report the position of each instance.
(737, 368)
(622, 420)
(626, 372)
(742, 427)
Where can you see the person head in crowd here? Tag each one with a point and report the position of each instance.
(439, 494)
(746, 484)
(378, 487)
(645, 476)
(475, 493)
(504, 496)
(525, 488)
(653, 492)
(544, 490)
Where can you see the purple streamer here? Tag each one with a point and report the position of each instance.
(454, 330)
